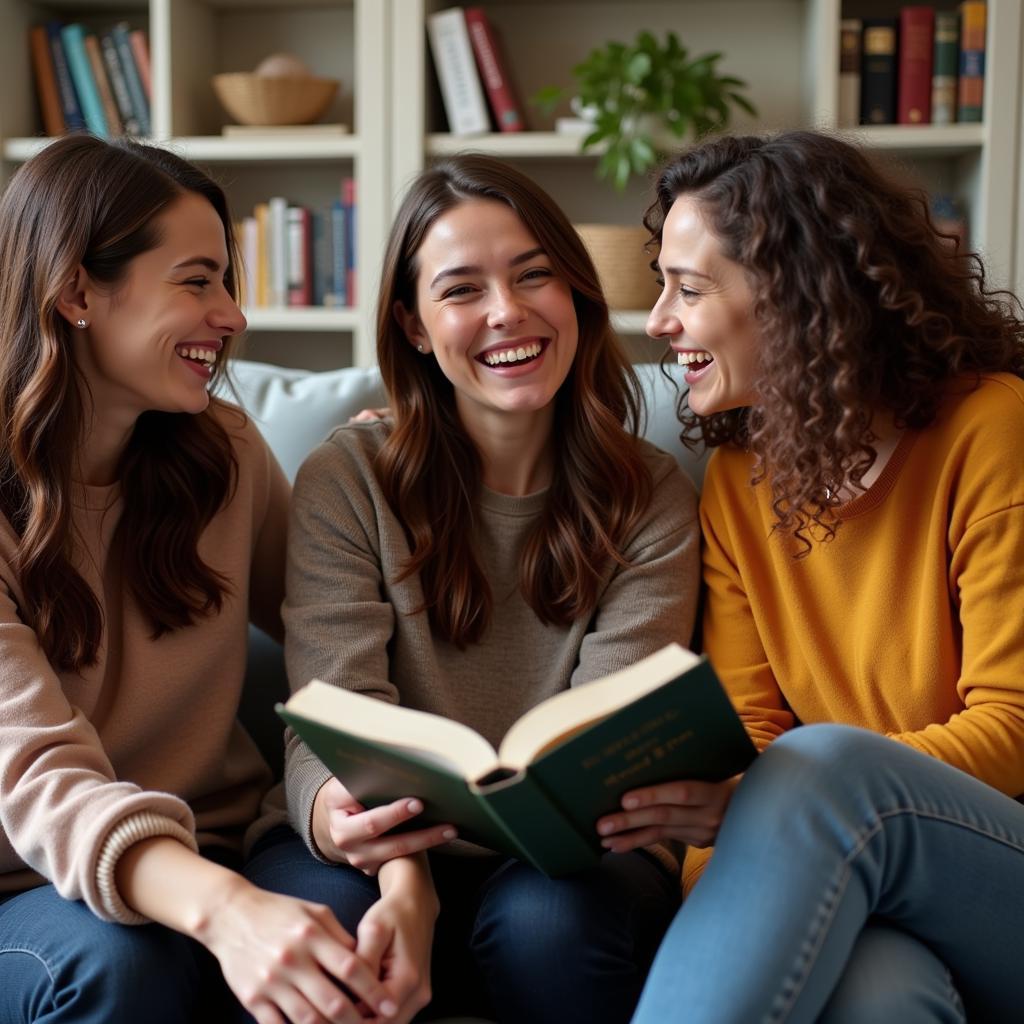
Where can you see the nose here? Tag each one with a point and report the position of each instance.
(226, 314)
(505, 308)
(663, 322)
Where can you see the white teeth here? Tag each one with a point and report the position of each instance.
(204, 355)
(686, 358)
(512, 355)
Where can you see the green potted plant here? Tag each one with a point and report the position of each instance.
(640, 95)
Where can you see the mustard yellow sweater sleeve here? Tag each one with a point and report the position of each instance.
(911, 621)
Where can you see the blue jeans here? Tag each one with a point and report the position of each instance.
(60, 963)
(510, 943)
(854, 880)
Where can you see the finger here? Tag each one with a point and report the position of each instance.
(324, 916)
(295, 1005)
(354, 974)
(372, 941)
(663, 815)
(266, 1013)
(695, 835)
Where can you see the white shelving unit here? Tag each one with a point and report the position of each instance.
(787, 50)
(190, 41)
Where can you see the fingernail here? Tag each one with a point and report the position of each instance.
(449, 833)
(388, 1008)
(414, 806)
(630, 803)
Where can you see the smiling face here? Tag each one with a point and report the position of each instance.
(490, 307)
(152, 341)
(705, 313)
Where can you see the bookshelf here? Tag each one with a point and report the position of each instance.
(787, 50)
(191, 40)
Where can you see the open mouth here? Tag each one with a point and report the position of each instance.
(514, 355)
(694, 361)
(200, 355)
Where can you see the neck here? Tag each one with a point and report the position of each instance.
(887, 437)
(103, 444)
(515, 450)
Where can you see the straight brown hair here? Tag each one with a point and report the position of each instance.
(429, 468)
(84, 201)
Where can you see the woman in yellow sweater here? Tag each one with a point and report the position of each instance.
(863, 518)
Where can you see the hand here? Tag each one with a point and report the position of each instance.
(280, 955)
(690, 812)
(346, 831)
(394, 938)
(370, 415)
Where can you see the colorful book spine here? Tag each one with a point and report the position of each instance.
(461, 93)
(46, 81)
(914, 78)
(322, 256)
(121, 34)
(73, 39)
(277, 251)
(850, 31)
(119, 85)
(970, 93)
(70, 106)
(878, 72)
(339, 254)
(348, 199)
(944, 62)
(300, 257)
(262, 214)
(100, 77)
(508, 115)
(140, 51)
(248, 236)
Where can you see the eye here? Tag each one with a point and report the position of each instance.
(197, 282)
(688, 293)
(537, 274)
(458, 292)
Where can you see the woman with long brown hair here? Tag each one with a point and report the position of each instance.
(505, 537)
(142, 525)
(863, 520)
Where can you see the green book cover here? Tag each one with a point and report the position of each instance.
(560, 767)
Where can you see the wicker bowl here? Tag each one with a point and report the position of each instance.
(622, 264)
(268, 99)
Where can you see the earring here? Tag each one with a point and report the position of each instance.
(419, 348)
(81, 324)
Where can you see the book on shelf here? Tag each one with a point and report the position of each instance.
(72, 38)
(100, 77)
(70, 107)
(121, 36)
(261, 214)
(248, 235)
(277, 251)
(300, 257)
(490, 62)
(878, 71)
(914, 74)
(461, 92)
(971, 85)
(559, 768)
(291, 132)
(348, 201)
(944, 67)
(46, 81)
(850, 30)
(140, 53)
(119, 85)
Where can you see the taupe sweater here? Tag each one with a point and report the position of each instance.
(145, 742)
(348, 623)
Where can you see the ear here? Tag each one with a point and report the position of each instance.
(73, 303)
(412, 327)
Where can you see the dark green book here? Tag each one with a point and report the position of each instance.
(560, 767)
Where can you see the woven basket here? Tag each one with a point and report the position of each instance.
(266, 99)
(622, 264)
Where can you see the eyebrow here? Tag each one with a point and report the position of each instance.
(683, 272)
(523, 257)
(198, 261)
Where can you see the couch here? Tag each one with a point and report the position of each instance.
(296, 409)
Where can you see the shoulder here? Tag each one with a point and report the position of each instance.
(342, 463)
(246, 440)
(996, 400)
(673, 505)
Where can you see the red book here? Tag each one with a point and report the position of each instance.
(493, 72)
(914, 71)
(46, 82)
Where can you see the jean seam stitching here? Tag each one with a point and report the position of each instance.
(895, 812)
(32, 953)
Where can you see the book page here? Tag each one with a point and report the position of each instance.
(434, 739)
(556, 719)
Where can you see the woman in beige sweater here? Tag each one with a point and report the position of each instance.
(141, 528)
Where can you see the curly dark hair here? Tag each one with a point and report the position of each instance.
(860, 304)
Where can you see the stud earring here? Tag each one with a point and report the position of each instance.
(81, 324)
(419, 348)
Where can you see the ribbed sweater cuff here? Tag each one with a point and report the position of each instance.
(126, 833)
(306, 774)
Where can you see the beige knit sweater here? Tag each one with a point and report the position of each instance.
(349, 624)
(145, 742)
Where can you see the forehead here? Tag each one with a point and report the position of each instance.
(190, 226)
(686, 230)
(481, 225)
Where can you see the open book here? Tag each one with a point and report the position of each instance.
(561, 766)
